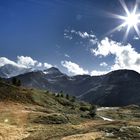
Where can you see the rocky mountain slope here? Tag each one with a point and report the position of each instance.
(117, 88)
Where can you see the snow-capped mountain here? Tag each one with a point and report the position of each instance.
(9, 70)
(22, 65)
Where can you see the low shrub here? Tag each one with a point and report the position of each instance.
(85, 108)
(51, 119)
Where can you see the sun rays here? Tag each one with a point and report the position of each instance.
(130, 20)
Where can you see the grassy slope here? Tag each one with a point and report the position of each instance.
(29, 114)
(36, 109)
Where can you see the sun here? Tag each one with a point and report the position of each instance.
(130, 20)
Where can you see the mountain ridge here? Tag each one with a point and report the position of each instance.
(117, 88)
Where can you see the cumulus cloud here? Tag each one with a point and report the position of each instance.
(74, 68)
(4, 61)
(47, 65)
(126, 57)
(103, 64)
(26, 62)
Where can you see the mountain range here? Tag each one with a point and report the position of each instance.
(117, 88)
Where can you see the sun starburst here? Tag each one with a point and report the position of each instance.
(131, 20)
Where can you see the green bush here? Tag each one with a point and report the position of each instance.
(67, 96)
(64, 102)
(16, 82)
(73, 98)
(51, 119)
(62, 95)
(57, 95)
(85, 108)
(47, 92)
(92, 111)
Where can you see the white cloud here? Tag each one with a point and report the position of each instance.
(66, 55)
(103, 64)
(126, 56)
(83, 35)
(93, 41)
(26, 62)
(69, 34)
(67, 37)
(97, 72)
(47, 65)
(4, 61)
(74, 68)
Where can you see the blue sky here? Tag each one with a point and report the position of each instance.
(68, 34)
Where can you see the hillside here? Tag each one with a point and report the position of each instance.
(30, 108)
(117, 88)
(50, 101)
(30, 114)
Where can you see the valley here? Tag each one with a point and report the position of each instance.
(16, 124)
(44, 116)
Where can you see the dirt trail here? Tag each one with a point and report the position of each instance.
(9, 132)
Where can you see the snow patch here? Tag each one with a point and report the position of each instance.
(45, 72)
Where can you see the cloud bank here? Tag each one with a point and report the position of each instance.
(126, 57)
(25, 62)
(75, 69)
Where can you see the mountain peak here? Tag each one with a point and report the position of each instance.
(10, 70)
(124, 74)
(52, 70)
(122, 71)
